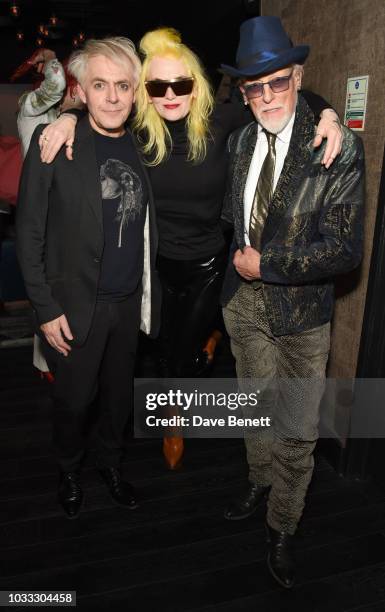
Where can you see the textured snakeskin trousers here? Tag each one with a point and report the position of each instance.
(289, 372)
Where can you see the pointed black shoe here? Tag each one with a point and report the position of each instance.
(247, 504)
(121, 492)
(280, 559)
(70, 494)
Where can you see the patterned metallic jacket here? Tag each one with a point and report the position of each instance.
(314, 228)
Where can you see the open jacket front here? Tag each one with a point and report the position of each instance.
(314, 228)
(60, 237)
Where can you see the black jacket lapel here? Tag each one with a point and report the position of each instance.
(86, 165)
(298, 156)
(240, 172)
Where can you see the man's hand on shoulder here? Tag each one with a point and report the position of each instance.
(57, 332)
(247, 263)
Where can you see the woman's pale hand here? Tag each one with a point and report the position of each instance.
(329, 127)
(55, 135)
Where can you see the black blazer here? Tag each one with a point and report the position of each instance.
(60, 238)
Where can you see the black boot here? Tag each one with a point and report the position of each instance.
(121, 492)
(247, 504)
(70, 494)
(279, 559)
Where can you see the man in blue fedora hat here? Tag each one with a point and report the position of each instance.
(297, 223)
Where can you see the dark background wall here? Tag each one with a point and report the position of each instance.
(211, 27)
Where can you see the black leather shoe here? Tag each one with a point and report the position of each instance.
(70, 494)
(280, 559)
(247, 504)
(121, 492)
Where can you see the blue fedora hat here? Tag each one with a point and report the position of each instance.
(264, 47)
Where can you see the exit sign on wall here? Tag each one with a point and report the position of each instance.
(355, 106)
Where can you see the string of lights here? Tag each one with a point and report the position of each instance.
(51, 28)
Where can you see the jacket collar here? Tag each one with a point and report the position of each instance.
(298, 155)
(84, 159)
(242, 163)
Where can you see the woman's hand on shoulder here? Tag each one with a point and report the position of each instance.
(55, 135)
(329, 127)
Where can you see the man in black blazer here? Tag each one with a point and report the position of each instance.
(86, 240)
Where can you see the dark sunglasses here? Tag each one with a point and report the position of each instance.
(180, 87)
(255, 90)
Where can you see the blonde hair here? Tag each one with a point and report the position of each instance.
(116, 48)
(167, 42)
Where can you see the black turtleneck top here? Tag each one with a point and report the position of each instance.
(188, 196)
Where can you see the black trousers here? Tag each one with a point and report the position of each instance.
(190, 298)
(103, 367)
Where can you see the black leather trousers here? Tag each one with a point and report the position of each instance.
(190, 302)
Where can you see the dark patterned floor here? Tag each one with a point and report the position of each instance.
(175, 553)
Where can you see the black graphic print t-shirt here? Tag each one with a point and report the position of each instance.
(124, 197)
